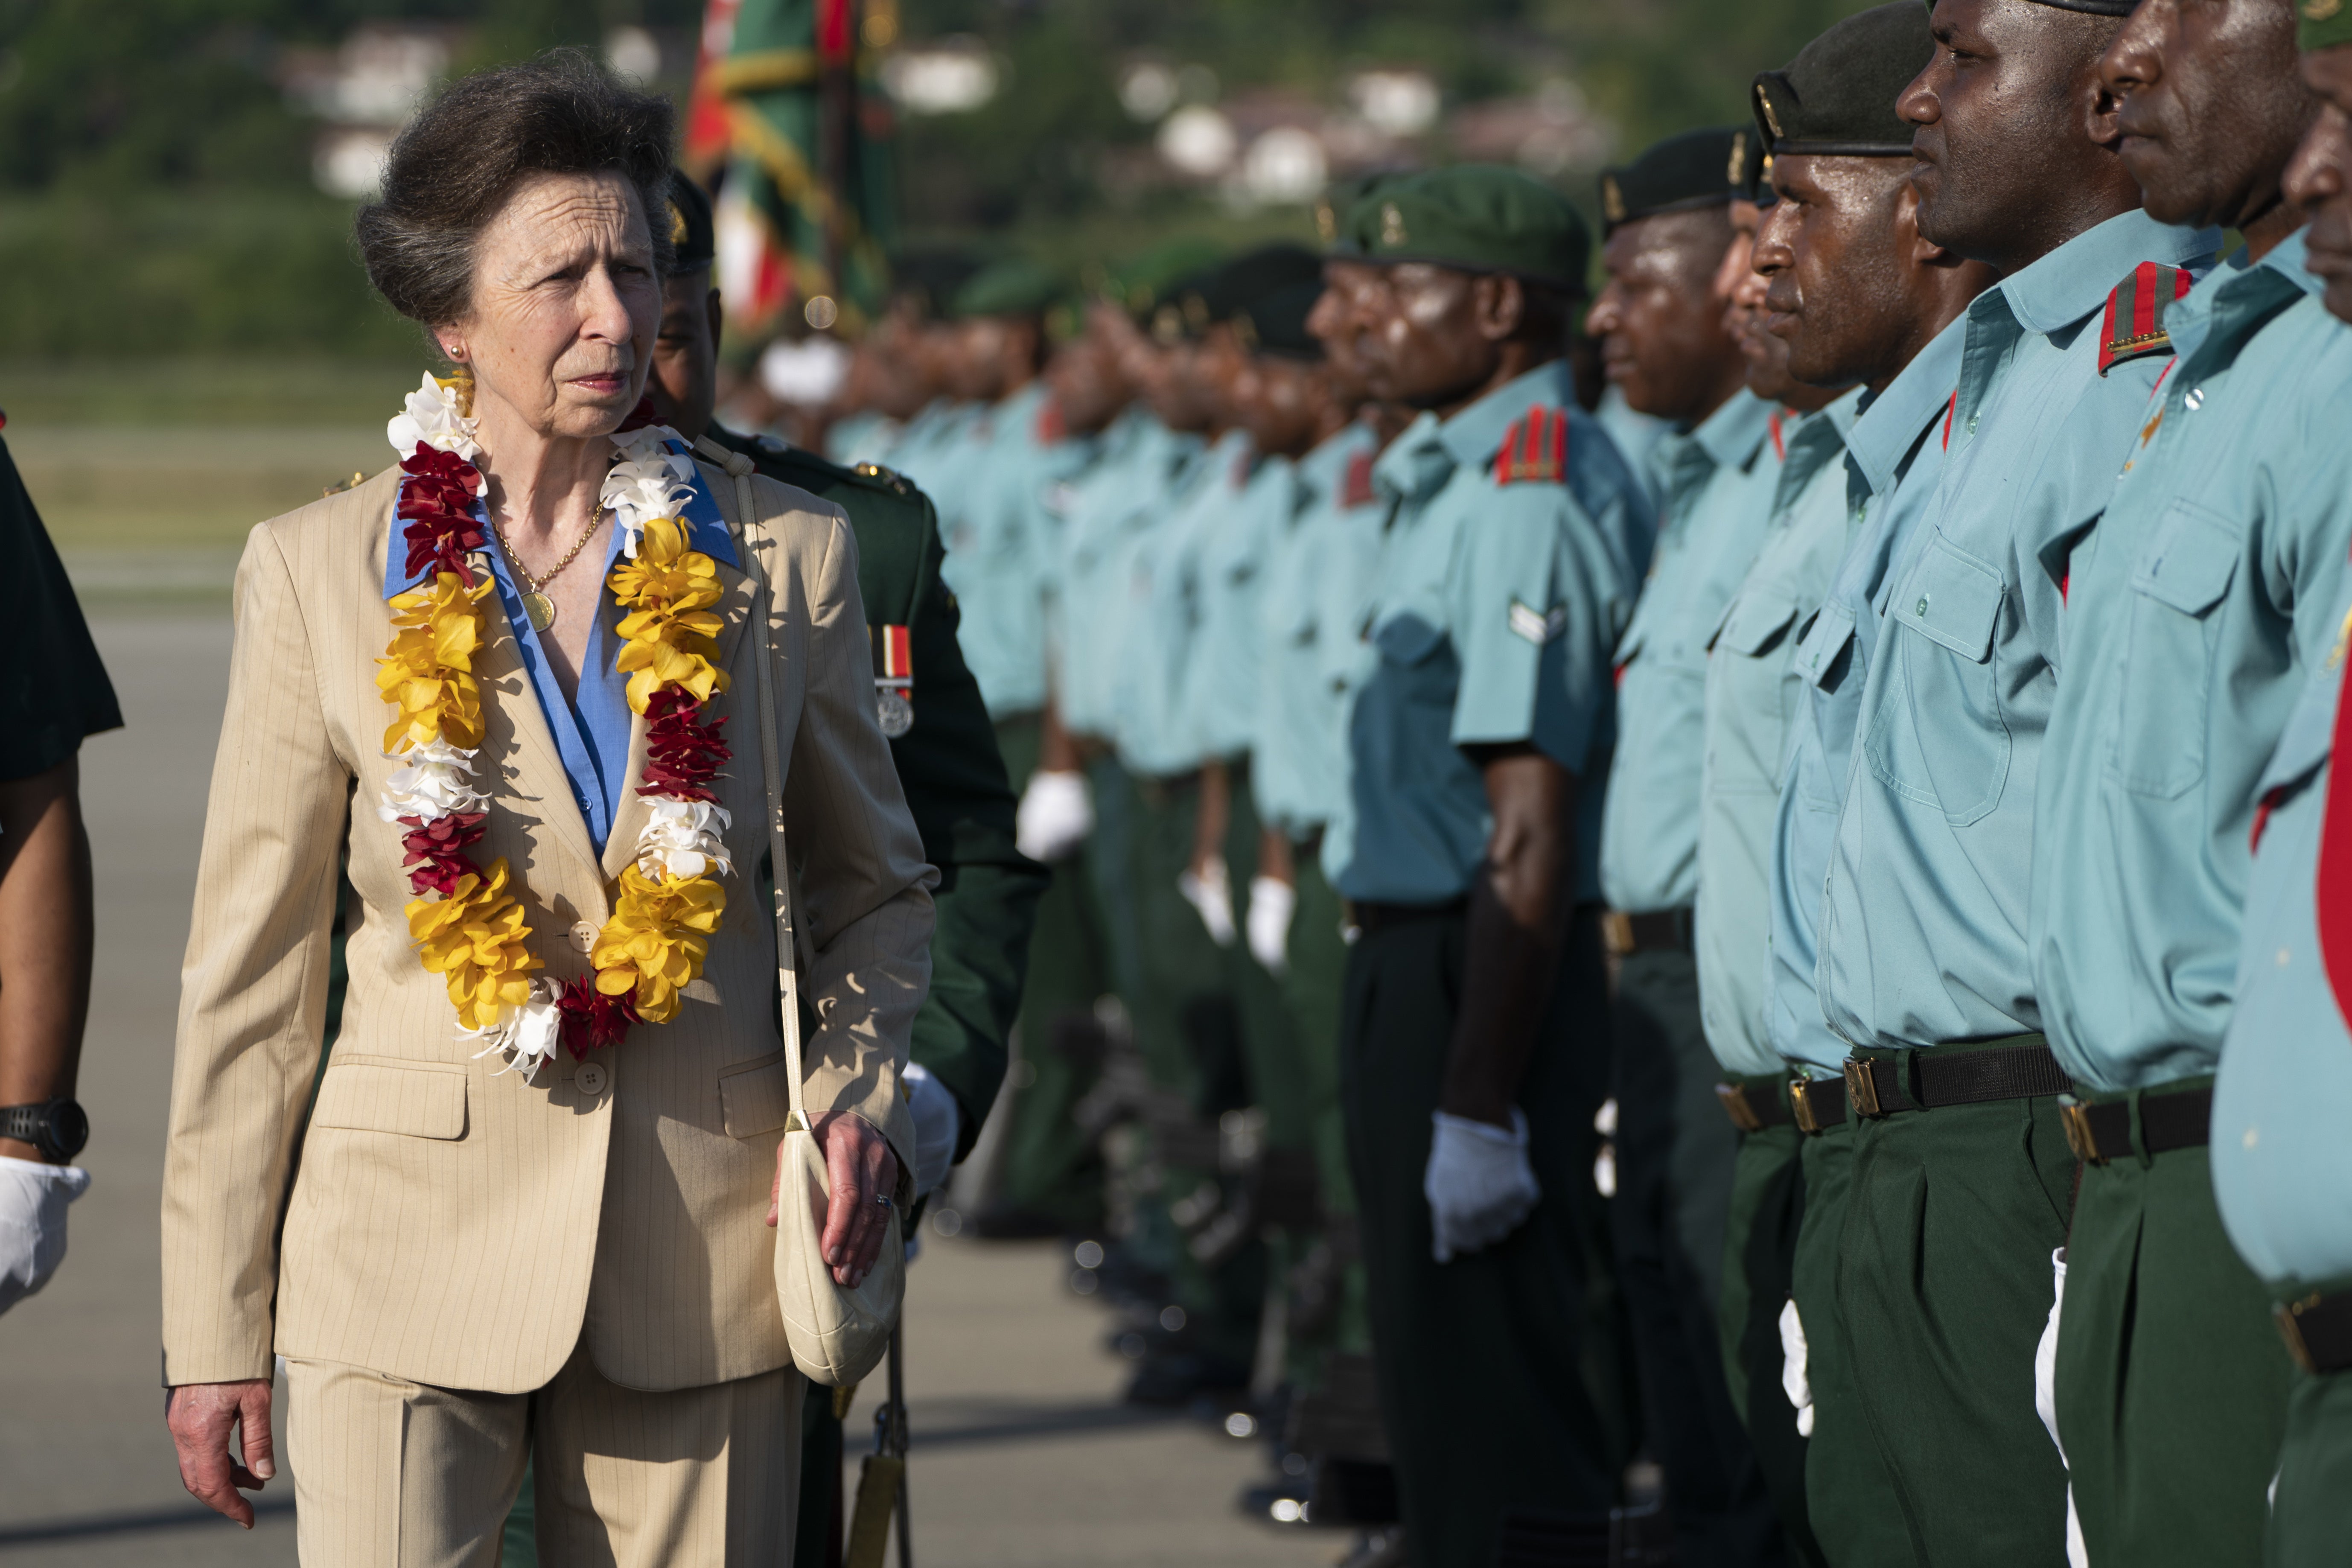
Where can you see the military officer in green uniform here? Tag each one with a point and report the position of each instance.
(1479, 713)
(1666, 342)
(947, 758)
(2281, 1168)
(2197, 606)
(1961, 1179)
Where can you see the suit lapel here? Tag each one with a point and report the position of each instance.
(734, 610)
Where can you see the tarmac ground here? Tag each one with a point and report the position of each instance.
(1023, 1453)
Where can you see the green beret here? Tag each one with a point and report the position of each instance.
(1012, 288)
(1682, 173)
(1339, 215)
(1138, 284)
(1277, 322)
(1751, 168)
(1265, 293)
(1838, 95)
(1478, 218)
(2322, 24)
(693, 235)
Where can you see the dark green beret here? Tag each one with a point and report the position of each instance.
(1138, 283)
(1265, 293)
(1479, 217)
(2322, 24)
(1751, 168)
(692, 234)
(1276, 324)
(1682, 173)
(1838, 95)
(1336, 213)
(1011, 288)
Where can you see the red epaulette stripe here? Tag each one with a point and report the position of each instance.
(2107, 330)
(1780, 446)
(1559, 443)
(1503, 455)
(2144, 299)
(1954, 408)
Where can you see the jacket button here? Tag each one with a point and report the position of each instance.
(590, 1078)
(584, 936)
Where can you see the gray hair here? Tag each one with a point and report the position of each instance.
(455, 166)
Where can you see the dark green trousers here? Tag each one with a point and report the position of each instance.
(1848, 1488)
(1945, 1286)
(1313, 988)
(2172, 1381)
(1480, 1360)
(1046, 1164)
(1760, 1252)
(2311, 1520)
(1675, 1154)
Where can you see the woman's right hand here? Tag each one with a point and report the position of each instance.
(200, 1415)
(860, 1170)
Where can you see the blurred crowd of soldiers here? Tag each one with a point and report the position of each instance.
(1639, 878)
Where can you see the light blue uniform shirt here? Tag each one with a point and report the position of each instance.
(1923, 933)
(862, 437)
(1752, 696)
(2282, 1097)
(1491, 623)
(2197, 608)
(1224, 668)
(1160, 633)
(935, 447)
(1717, 480)
(592, 730)
(1894, 455)
(998, 547)
(1105, 507)
(1635, 435)
(1318, 588)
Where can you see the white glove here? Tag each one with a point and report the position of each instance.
(1211, 893)
(1056, 814)
(939, 1123)
(1794, 1381)
(2045, 1402)
(1272, 903)
(33, 1199)
(1479, 1184)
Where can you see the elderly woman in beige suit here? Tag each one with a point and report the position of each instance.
(515, 680)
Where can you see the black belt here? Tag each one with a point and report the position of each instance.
(2318, 1331)
(2098, 1134)
(1369, 918)
(2016, 1069)
(1817, 1104)
(1660, 931)
(1755, 1104)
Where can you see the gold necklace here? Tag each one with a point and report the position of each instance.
(536, 605)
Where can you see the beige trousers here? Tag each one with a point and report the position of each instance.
(390, 1474)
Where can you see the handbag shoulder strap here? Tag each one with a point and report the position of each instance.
(747, 522)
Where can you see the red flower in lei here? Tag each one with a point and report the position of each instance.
(437, 506)
(437, 849)
(681, 756)
(593, 1020)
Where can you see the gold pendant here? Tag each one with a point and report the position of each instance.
(541, 609)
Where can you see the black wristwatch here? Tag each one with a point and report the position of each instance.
(58, 1128)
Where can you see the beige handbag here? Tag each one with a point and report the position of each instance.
(837, 1334)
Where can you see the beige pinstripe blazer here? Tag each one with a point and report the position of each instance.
(442, 1222)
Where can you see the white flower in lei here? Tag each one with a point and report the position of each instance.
(438, 780)
(433, 417)
(649, 481)
(681, 840)
(528, 1034)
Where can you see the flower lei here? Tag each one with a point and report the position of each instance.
(466, 922)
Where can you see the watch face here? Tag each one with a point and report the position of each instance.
(68, 1128)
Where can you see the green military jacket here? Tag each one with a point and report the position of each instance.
(948, 765)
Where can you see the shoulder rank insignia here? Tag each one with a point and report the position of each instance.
(880, 475)
(894, 679)
(1538, 626)
(1051, 427)
(2134, 327)
(1355, 490)
(1535, 449)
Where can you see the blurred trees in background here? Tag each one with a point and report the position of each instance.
(157, 174)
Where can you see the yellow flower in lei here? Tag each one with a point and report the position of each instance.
(475, 938)
(653, 945)
(668, 636)
(428, 672)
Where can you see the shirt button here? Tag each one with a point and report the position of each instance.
(590, 1078)
(584, 936)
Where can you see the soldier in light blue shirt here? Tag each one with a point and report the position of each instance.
(1666, 343)
(2282, 1165)
(1961, 1179)
(1472, 1059)
(2196, 607)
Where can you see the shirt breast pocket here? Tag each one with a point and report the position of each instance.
(2168, 675)
(1938, 735)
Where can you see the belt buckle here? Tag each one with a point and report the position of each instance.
(1617, 932)
(1862, 1087)
(2285, 1314)
(2079, 1136)
(1800, 1106)
(1735, 1105)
